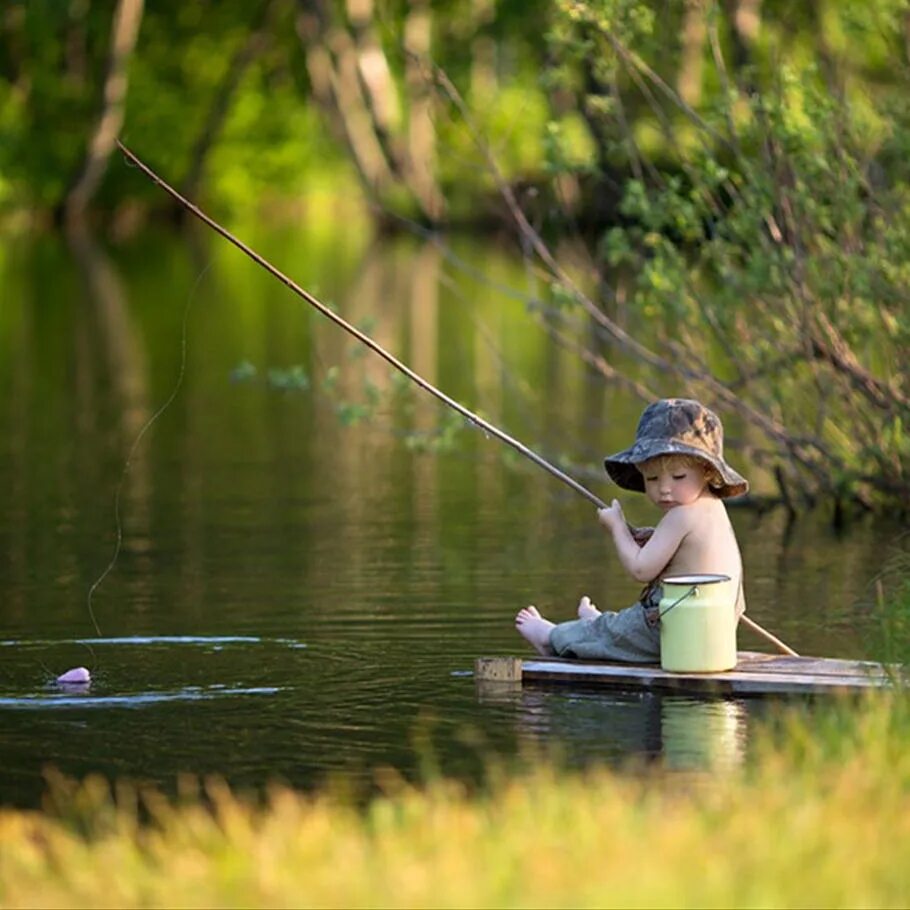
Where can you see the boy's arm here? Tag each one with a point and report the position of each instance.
(645, 563)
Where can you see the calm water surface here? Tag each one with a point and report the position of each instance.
(311, 558)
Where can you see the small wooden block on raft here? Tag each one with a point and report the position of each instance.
(754, 674)
(498, 669)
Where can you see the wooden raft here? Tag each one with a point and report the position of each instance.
(754, 674)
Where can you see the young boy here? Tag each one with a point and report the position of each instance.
(677, 461)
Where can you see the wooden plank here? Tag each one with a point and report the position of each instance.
(730, 682)
(817, 666)
(754, 674)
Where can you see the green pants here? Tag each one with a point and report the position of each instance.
(631, 635)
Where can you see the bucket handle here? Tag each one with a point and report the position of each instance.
(678, 600)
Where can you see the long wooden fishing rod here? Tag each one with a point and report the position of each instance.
(361, 336)
(470, 416)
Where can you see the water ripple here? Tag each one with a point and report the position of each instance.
(85, 699)
(202, 640)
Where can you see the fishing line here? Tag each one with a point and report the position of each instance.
(118, 545)
(45, 667)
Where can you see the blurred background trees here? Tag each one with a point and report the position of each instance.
(734, 171)
(260, 102)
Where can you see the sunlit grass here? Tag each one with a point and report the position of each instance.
(820, 817)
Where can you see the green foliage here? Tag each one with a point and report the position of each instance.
(243, 372)
(567, 147)
(547, 86)
(773, 250)
(443, 438)
(191, 71)
(581, 33)
(292, 378)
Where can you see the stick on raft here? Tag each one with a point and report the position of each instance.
(395, 362)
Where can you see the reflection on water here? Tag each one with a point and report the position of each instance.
(703, 734)
(679, 732)
(308, 573)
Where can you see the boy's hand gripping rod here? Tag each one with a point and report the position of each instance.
(395, 362)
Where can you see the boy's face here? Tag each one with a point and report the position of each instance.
(669, 482)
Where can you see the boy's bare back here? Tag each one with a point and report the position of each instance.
(693, 537)
(707, 542)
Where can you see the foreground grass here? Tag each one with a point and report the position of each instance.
(820, 818)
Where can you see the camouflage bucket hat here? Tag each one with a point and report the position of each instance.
(676, 426)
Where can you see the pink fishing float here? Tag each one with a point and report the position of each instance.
(78, 676)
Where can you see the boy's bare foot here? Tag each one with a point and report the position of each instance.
(535, 629)
(587, 610)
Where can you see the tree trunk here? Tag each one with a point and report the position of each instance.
(421, 137)
(379, 87)
(332, 66)
(352, 83)
(124, 32)
(694, 32)
(745, 16)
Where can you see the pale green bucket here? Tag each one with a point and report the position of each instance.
(698, 624)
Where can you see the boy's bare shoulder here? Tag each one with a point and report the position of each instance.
(691, 515)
